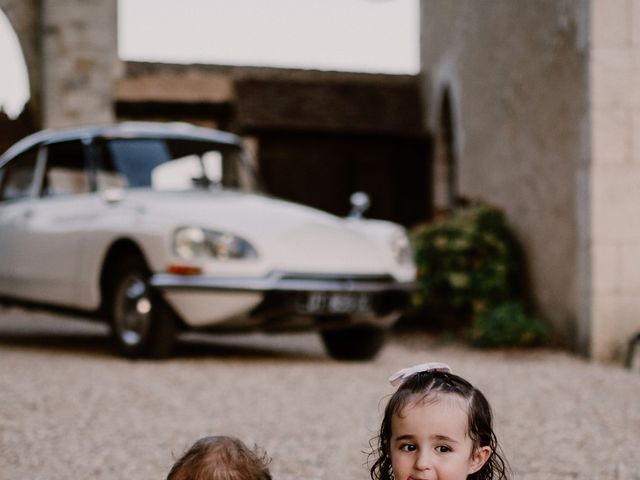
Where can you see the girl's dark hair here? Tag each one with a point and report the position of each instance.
(419, 387)
(221, 458)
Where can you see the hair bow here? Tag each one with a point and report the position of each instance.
(400, 376)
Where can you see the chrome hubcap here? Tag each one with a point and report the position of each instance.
(133, 310)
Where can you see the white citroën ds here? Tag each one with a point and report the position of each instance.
(159, 228)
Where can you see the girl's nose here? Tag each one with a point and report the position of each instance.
(424, 460)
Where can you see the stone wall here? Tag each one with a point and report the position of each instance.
(70, 48)
(613, 234)
(516, 72)
(80, 61)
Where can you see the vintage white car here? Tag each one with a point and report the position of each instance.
(161, 227)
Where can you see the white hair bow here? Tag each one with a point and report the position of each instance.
(400, 376)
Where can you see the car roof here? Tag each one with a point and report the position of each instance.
(176, 130)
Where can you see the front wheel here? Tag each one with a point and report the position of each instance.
(142, 325)
(354, 343)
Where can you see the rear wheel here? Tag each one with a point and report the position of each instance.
(142, 324)
(361, 342)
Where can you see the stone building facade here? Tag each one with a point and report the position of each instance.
(536, 108)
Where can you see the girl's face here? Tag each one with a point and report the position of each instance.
(429, 441)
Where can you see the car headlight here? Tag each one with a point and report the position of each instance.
(401, 247)
(191, 243)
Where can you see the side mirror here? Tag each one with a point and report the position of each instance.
(359, 204)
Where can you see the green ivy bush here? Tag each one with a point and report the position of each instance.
(467, 261)
(507, 325)
(469, 264)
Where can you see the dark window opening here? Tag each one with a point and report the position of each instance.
(66, 171)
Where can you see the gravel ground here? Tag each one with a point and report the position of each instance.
(70, 409)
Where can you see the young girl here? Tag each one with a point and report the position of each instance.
(436, 426)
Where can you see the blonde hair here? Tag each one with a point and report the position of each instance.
(221, 458)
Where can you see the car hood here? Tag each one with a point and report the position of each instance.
(287, 235)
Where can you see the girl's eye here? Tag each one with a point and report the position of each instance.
(443, 449)
(408, 447)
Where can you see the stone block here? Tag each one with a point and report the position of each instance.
(605, 273)
(611, 23)
(635, 136)
(612, 86)
(630, 267)
(635, 25)
(614, 320)
(611, 136)
(614, 202)
(612, 58)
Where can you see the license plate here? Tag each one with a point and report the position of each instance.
(324, 302)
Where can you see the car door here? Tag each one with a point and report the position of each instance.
(51, 230)
(17, 187)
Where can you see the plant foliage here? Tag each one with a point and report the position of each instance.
(467, 261)
(507, 324)
(470, 266)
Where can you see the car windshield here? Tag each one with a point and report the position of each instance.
(172, 164)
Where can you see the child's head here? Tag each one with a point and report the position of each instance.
(436, 425)
(220, 458)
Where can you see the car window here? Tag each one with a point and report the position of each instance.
(179, 174)
(18, 175)
(106, 171)
(136, 159)
(66, 171)
(171, 164)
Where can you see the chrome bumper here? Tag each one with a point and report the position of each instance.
(284, 281)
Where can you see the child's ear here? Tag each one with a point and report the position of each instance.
(479, 458)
